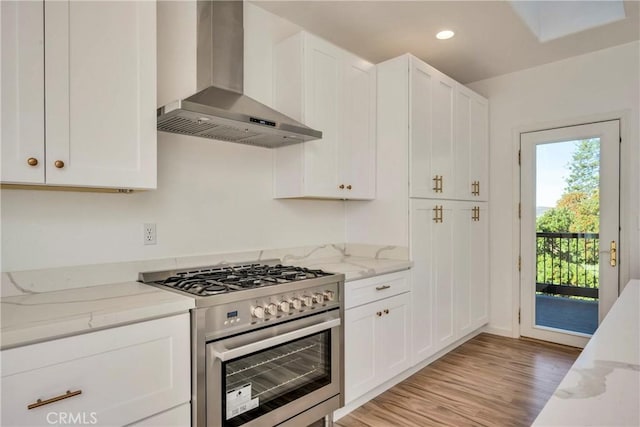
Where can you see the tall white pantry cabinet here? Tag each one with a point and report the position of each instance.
(448, 207)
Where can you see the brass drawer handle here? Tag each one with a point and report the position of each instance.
(32, 161)
(349, 187)
(382, 288)
(41, 402)
(59, 164)
(341, 186)
(379, 314)
(386, 311)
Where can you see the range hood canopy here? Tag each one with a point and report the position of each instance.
(220, 110)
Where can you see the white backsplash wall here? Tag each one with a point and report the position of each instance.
(212, 196)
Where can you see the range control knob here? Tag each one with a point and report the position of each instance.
(329, 295)
(284, 306)
(272, 309)
(258, 311)
(318, 298)
(307, 301)
(296, 303)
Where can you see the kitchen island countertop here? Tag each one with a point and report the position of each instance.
(602, 388)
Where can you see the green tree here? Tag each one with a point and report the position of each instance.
(555, 220)
(584, 168)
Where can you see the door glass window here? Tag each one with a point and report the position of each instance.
(266, 380)
(567, 235)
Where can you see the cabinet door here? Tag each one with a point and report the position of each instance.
(101, 93)
(432, 97)
(360, 346)
(471, 276)
(479, 145)
(479, 268)
(358, 136)
(471, 145)
(376, 343)
(324, 74)
(422, 248)
(22, 88)
(432, 246)
(393, 334)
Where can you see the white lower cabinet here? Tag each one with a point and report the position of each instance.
(112, 377)
(377, 334)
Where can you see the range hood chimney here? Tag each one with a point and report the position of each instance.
(220, 110)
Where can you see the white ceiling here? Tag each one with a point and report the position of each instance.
(491, 39)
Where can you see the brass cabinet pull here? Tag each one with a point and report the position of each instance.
(379, 314)
(386, 311)
(475, 188)
(475, 213)
(349, 187)
(41, 402)
(32, 161)
(59, 164)
(437, 184)
(437, 214)
(341, 186)
(613, 255)
(382, 288)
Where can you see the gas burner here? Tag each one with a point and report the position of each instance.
(209, 281)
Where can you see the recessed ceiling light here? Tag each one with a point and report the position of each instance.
(445, 34)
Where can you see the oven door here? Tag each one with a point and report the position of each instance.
(267, 376)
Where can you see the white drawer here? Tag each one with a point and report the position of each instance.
(124, 374)
(375, 288)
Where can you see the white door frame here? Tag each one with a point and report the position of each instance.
(626, 210)
(608, 132)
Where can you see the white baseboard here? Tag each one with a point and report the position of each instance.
(503, 332)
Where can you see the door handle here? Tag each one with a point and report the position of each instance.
(613, 254)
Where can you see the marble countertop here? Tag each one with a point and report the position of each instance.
(354, 267)
(39, 305)
(602, 388)
(36, 317)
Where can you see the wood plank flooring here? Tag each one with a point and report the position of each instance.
(488, 381)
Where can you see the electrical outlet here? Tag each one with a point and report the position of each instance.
(150, 237)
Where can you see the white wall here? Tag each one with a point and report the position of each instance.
(212, 196)
(567, 92)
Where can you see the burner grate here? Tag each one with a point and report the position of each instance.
(210, 281)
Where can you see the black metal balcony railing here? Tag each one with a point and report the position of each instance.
(567, 264)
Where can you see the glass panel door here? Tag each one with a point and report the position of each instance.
(569, 230)
(267, 380)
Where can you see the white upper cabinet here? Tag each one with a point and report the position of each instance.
(448, 134)
(333, 91)
(99, 98)
(472, 145)
(22, 91)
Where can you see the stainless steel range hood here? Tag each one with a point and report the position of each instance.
(220, 110)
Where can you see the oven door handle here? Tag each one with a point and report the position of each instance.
(219, 351)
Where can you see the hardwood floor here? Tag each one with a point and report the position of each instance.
(488, 381)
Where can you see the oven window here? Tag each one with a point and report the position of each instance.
(264, 381)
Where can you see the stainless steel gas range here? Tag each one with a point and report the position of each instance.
(267, 343)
